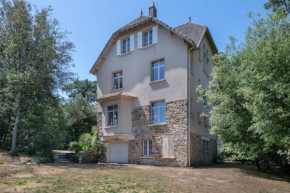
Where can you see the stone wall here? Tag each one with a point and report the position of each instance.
(176, 125)
(99, 126)
(198, 155)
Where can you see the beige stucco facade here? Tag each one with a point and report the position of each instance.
(177, 89)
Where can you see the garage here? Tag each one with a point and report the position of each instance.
(118, 153)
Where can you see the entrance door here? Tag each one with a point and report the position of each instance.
(119, 153)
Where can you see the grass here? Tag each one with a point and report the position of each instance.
(1, 162)
(90, 178)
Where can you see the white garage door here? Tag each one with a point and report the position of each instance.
(119, 153)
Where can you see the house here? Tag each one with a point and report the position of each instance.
(147, 75)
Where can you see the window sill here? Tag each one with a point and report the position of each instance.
(147, 46)
(158, 124)
(156, 81)
(146, 157)
(116, 90)
(111, 127)
(168, 157)
(125, 53)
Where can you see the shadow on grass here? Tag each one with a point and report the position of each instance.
(96, 166)
(251, 170)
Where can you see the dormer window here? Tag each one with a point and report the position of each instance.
(126, 45)
(147, 38)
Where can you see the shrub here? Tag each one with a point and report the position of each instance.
(75, 146)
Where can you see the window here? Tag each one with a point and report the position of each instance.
(113, 115)
(118, 80)
(157, 70)
(147, 38)
(158, 112)
(147, 147)
(126, 46)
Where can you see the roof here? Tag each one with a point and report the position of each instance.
(190, 32)
(195, 32)
(115, 95)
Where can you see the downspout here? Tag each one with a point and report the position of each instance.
(189, 104)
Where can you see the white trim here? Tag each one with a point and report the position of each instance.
(155, 34)
(132, 42)
(118, 44)
(139, 39)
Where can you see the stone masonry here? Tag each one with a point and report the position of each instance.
(198, 155)
(99, 126)
(176, 126)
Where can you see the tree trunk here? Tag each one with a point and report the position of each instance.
(15, 129)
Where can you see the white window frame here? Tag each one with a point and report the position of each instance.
(147, 148)
(114, 112)
(149, 41)
(126, 42)
(158, 112)
(119, 80)
(157, 67)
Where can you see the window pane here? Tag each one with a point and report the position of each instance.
(124, 46)
(162, 104)
(161, 63)
(161, 72)
(121, 82)
(145, 39)
(116, 118)
(145, 147)
(154, 115)
(155, 74)
(115, 83)
(116, 107)
(128, 45)
(162, 114)
(110, 120)
(155, 64)
(150, 147)
(110, 108)
(150, 37)
(155, 104)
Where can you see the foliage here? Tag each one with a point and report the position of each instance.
(275, 5)
(75, 146)
(34, 60)
(80, 108)
(85, 88)
(250, 91)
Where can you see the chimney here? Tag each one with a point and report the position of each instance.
(152, 10)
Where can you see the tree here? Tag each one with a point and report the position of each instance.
(35, 56)
(251, 93)
(86, 88)
(278, 4)
(80, 108)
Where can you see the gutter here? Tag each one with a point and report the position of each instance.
(189, 104)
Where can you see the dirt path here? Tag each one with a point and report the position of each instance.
(18, 177)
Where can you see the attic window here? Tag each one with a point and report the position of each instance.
(126, 45)
(147, 38)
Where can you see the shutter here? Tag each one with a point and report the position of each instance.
(132, 42)
(155, 34)
(118, 47)
(139, 37)
(165, 146)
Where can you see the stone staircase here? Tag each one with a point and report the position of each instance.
(62, 158)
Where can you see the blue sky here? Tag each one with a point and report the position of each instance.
(92, 22)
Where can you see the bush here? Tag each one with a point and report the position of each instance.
(218, 157)
(76, 146)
